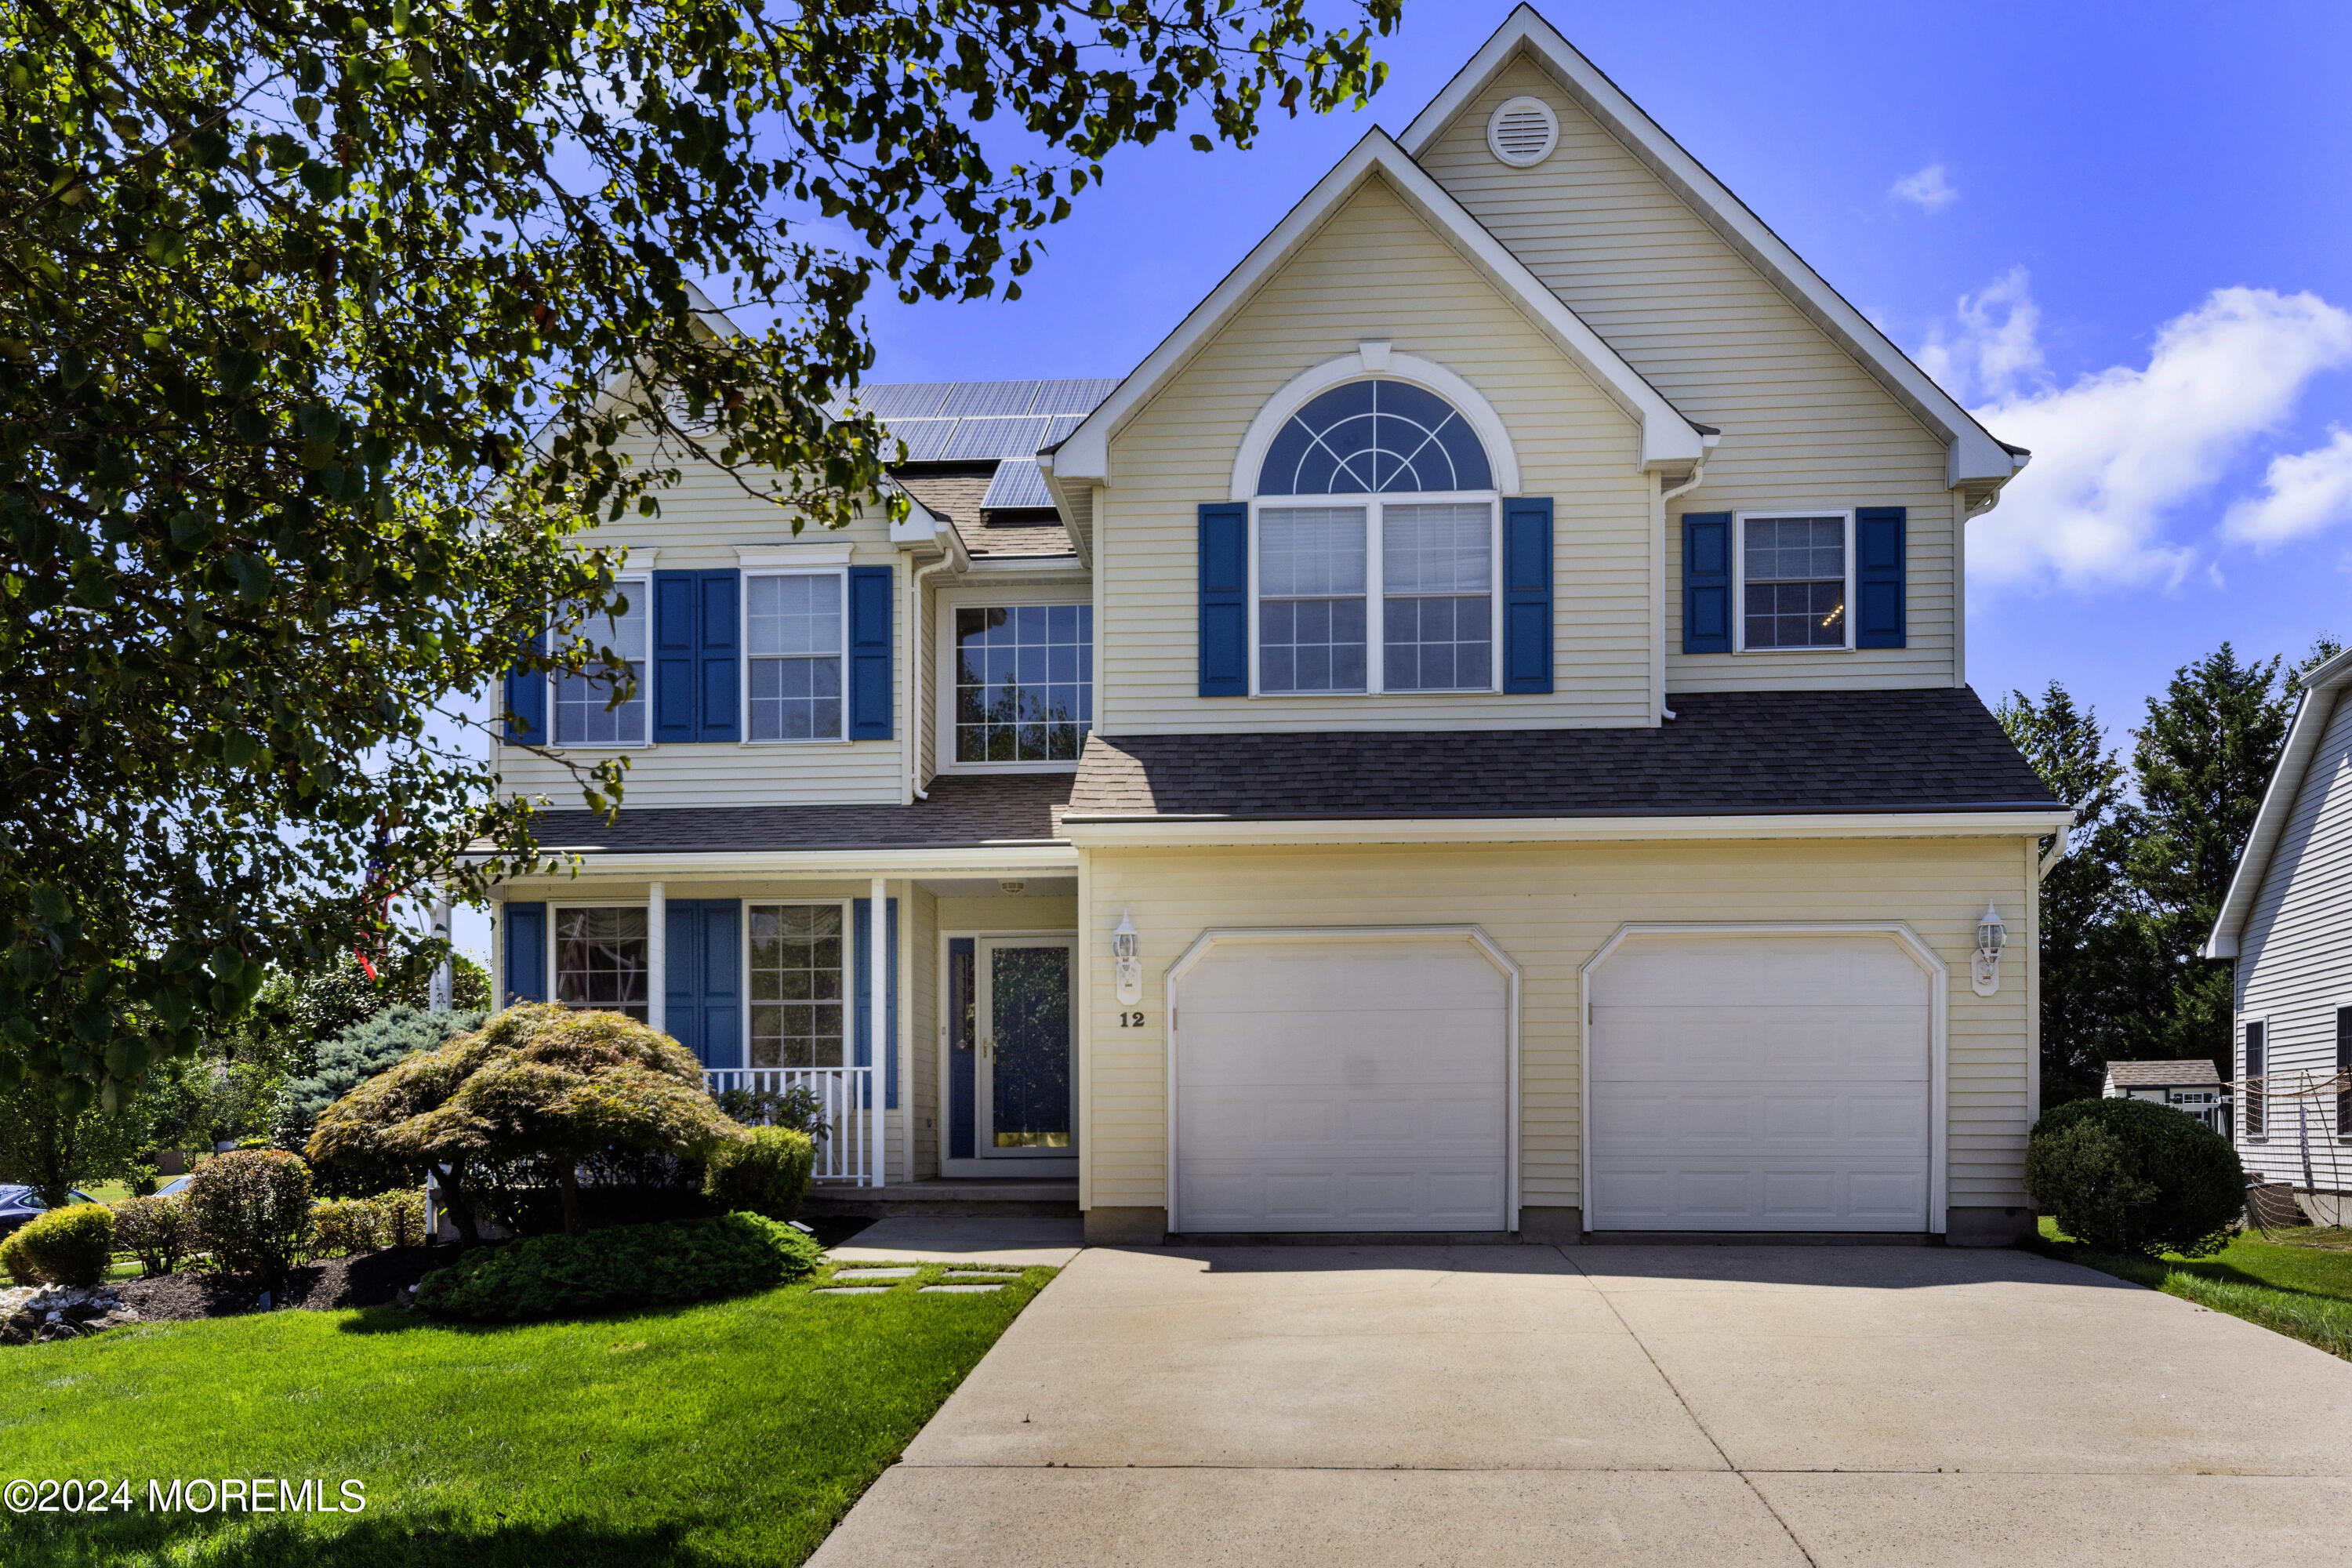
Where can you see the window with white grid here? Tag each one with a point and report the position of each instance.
(796, 970)
(791, 624)
(585, 711)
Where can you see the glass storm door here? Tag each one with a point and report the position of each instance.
(1024, 1047)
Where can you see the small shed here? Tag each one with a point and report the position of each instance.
(2192, 1087)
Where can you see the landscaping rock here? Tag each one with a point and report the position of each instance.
(61, 1312)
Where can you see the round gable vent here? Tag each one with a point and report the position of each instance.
(1523, 131)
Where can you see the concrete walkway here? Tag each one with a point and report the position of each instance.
(1674, 1405)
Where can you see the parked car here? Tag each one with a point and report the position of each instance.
(19, 1206)
(176, 1185)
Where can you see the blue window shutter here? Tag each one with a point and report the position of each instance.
(1879, 556)
(674, 638)
(1707, 582)
(526, 695)
(682, 961)
(1527, 594)
(1224, 599)
(870, 703)
(720, 976)
(715, 656)
(862, 988)
(526, 952)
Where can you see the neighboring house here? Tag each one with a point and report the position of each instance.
(2192, 1087)
(2288, 922)
(1470, 735)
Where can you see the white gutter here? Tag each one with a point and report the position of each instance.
(1172, 832)
(1697, 478)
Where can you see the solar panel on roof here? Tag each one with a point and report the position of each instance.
(1017, 483)
(902, 399)
(1071, 396)
(988, 399)
(1058, 426)
(927, 439)
(978, 438)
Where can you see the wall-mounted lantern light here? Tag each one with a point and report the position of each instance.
(1992, 934)
(1127, 948)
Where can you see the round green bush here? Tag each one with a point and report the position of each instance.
(13, 1261)
(2127, 1175)
(627, 1268)
(400, 1216)
(254, 1208)
(69, 1246)
(157, 1230)
(344, 1225)
(766, 1173)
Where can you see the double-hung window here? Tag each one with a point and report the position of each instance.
(585, 711)
(601, 959)
(792, 640)
(1376, 548)
(796, 953)
(1795, 580)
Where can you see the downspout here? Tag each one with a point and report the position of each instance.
(915, 674)
(1697, 478)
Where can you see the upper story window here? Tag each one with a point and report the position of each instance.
(585, 713)
(1024, 688)
(792, 639)
(1414, 579)
(1795, 580)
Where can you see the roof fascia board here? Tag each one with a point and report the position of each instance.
(1144, 833)
(1081, 539)
(1973, 455)
(2322, 690)
(1667, 438)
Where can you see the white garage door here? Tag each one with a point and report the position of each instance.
(1759, 1083)
(1341, 1084)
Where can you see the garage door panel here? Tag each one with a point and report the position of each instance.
(1337, 1086)
(1759, 1083)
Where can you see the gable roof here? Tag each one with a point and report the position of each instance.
(2322, 690)
(2196, 1072)
(1668, 439)
(1975, 459)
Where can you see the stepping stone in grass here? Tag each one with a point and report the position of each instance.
(860, 1275)
(851, 1290)
(958, 1290)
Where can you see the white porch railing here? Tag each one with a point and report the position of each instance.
(851, 1149)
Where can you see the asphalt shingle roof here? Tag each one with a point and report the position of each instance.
(1727, 753)
(2198, 1072)
(1008, 808)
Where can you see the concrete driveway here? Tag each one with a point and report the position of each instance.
(1677, 1406)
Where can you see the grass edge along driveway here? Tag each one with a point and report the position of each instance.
(2302, 1292)
(730, 1433)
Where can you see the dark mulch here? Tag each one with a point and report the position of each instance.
(330, 1284)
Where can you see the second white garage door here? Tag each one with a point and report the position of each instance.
(1759, 1083)
(1342, 1084)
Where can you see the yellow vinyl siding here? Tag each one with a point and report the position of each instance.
(1375, 270)
(1803, 424)
(1551, 908)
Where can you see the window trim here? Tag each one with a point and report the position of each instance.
(2247, 1095)
(849, 976)
(1375, 591)
(639, 588)
(975, 597)
(1739, 520)
(839, 572)
(555, 945)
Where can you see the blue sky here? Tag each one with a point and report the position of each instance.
(2103, 171)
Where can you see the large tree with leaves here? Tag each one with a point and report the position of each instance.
(313, 312)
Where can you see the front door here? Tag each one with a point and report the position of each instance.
(1022, 1086)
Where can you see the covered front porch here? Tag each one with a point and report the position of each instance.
(961, 1093)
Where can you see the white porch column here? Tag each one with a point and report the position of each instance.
(658, 958)
(878, 978)
(442, 993)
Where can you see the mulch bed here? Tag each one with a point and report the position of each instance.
(328, 1285)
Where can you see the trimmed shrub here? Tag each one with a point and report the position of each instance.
(344, 1225)
(766, 1173)
(400, 1217)
(14, 1260)
(628, 1267)
(69, 1246)
(157, 1230)
(2125, 1176)
(253, 1207)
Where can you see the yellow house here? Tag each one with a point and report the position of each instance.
(1470, 737)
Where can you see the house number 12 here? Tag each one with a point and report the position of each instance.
(1130, 1020)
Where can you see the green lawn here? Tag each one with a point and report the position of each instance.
(738, 1432)
(2304, 1291)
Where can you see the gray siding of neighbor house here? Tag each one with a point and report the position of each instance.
(2294, 961)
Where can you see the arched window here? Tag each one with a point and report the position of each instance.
(1375, 536)
(1374, 437)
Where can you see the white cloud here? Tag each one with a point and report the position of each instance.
(2118, 452)
(1927, 187)
(2303, 493)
